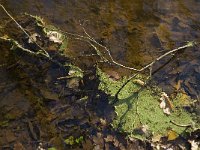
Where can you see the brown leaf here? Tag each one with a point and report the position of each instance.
(109, 138)
(18, 146)
(10, 137)
(87, 145)
(177, 86)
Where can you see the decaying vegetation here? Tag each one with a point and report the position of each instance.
(142, 110)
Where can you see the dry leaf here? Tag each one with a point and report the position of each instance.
(171, 135)
(194, 145)
(163, 104)
(167, 111)
(139, 82)
(33, 38)
(109, 138)
(144, 128)
(71, 72)
(177, 86)
(18, 146)
(103, 121)
(54, 36)
(156, 138)
(167, 100)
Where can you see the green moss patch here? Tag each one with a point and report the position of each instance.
(139, 113)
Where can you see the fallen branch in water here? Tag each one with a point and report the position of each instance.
(95, 45)
(32, 40)
(148, 66)
(91, 40)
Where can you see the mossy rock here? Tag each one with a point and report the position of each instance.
(139, 113)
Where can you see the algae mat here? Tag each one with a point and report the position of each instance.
(139, 113)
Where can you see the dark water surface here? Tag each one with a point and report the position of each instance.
(135, 31)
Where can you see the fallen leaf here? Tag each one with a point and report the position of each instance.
(139, 82)
(167, 111)
(103, 121)
(167, 100)
(194, 145)
(177, 86)
(171, 135)
(109, 138)
(54, 36)
(18, 146)
(144, 128)
(166, 104)
(156, 138)
(162, 104)
(33, 38)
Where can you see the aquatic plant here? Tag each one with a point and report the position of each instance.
(138, 112)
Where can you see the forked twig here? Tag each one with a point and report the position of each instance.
(150, 65)
(92, 42)
(32, 40)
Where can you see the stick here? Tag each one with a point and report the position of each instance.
(45, 52)
(180, 125)
(189, 44)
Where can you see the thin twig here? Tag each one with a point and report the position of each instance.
(15, 43)
(148, 66)
(112, 60)
(180, 125)
(32, 40)
(189, 44)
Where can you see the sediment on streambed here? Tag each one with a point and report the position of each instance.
(68, 107)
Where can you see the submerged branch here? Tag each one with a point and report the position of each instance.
(148, 66)
(32, 40)
(95, 45)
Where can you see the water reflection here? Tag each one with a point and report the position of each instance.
(136, 31)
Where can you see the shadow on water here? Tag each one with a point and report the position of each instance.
(135, 32)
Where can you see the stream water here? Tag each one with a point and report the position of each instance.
(136, 32)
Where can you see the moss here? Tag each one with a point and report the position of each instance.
(111, 87)
(52, 148)
(138, 109)
(74, 71)
(10, 116)
(4, 123)
(71, 140)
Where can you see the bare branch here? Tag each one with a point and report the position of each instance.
(32, 40)
(150, 65)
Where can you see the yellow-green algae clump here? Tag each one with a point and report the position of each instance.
(139, 113)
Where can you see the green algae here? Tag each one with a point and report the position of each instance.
(72, 140)
(52, 148)
(4, 123)
(138, 111)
